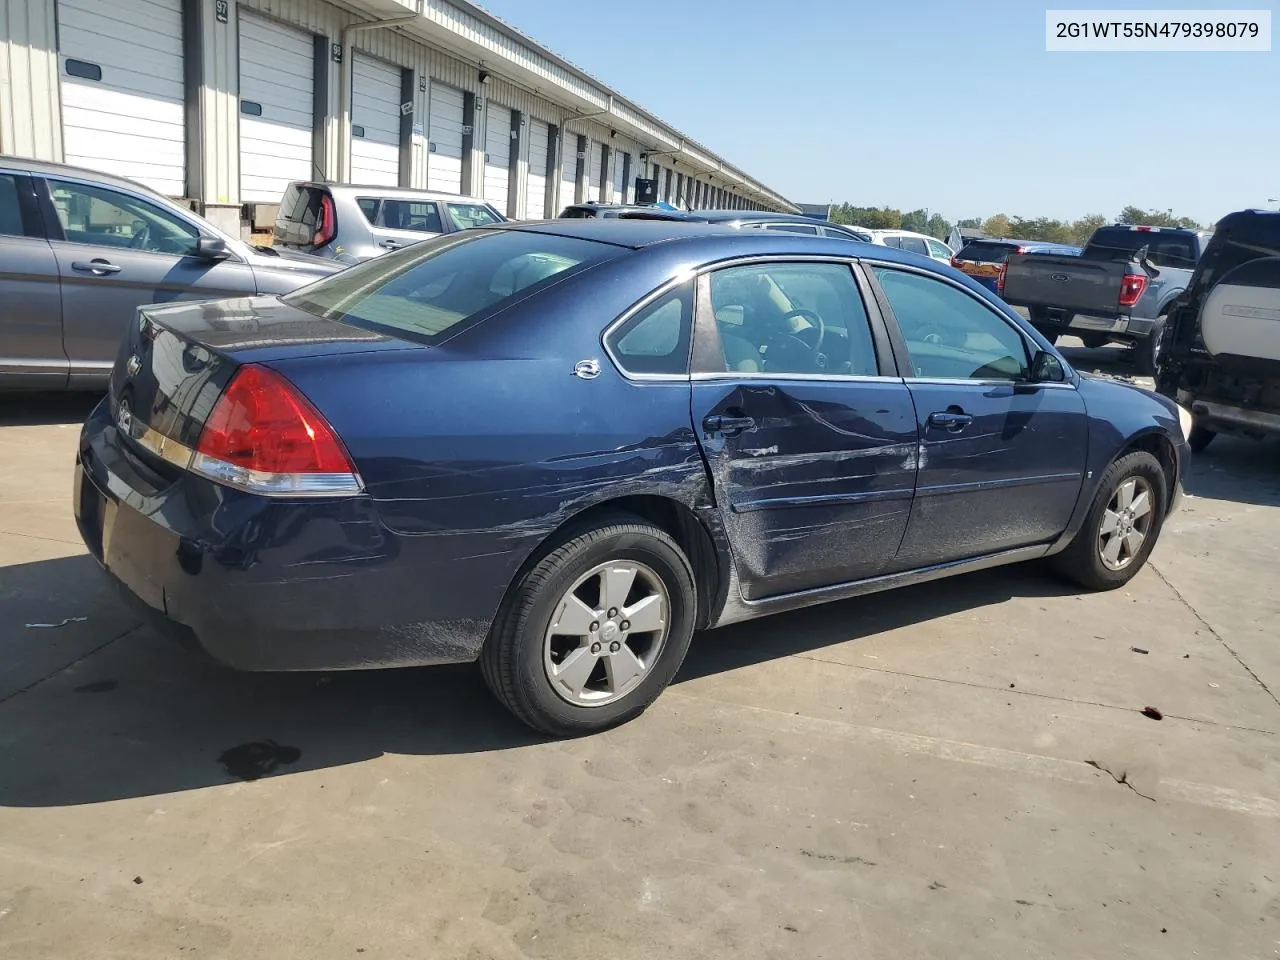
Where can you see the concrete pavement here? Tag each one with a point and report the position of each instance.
(955, 770)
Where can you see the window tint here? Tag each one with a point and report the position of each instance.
(92, 214)
(299, 214)
(951, 335)
(418, 216)
(895, 242)
(792, 228)
(468, 215)
(427, 288)
(984, 252)
(1163, 249)
(937, 249)
(656, 338)
(915, 245)
(792, 318)
(10, 211)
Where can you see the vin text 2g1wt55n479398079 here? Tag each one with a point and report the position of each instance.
(561, 448)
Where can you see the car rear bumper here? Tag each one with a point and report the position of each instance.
(261, 584)
(1226, 417)
(1123, 327)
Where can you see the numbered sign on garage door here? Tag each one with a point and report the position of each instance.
(277, 75)
(444, 162)
(122, 89)
(375, 122)
(535, 206)
(497, 156)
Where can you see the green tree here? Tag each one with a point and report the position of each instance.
(938, 227)
(970, 223)
(1081, 230)
(917, 221)
(997, 226)
(1155, 218)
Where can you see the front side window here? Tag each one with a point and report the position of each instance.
(951, 335)
(468, 215)
(792, 318)
(10, 208)
(425, 290)
(893, 241)
(655, 339)
(107, 218)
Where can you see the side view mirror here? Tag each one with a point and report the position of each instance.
(211, 248)
(1046, 368)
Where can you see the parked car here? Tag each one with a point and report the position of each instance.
(780, 222)
(591, 210)
(920, 243)
(351, 223)
(1120, 287)
(80, 250)
(1221, 356)
(561, 447)
(983, 259)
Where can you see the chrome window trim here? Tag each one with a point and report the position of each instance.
(688, 276)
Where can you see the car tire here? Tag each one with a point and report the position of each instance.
(1083, 561)
(1200, 438)
(1146, 353)
(545, 666)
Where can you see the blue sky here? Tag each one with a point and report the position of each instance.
(951, 105)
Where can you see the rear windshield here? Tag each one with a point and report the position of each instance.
(423, 291)
(986, 252)
(468, 215)
(1163, 249)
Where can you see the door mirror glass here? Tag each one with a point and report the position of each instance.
(1046, 368)
(212, 248)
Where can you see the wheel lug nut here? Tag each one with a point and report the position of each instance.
(626, 624)
(595, 648)
(615, 647)
(613, 612)
(595, 625)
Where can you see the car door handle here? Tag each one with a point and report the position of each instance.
(390, 244)
(729, 426)
(99, 267)
(953, 420)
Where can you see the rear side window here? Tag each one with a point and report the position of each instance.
(416, 216)
(915, 245)
(468, 215)
(983, 252)
(10, 208)
(895, 242)
(425, 290)
(655, 340)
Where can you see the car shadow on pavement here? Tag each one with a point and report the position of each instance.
(1233, 468)
(46, 409)
(128, 714)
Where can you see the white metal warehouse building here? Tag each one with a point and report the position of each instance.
(223, 103)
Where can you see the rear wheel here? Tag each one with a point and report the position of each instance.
(595, 631)
(1122, 527)
(1200, 438)
(1146, 353)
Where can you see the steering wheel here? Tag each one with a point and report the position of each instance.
(141, 236)
(786, 344)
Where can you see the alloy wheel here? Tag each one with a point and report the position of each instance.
(1126, 523)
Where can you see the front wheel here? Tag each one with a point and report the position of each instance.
(1122, 527)
(595, 631)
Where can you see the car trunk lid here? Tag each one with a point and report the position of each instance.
(1068, 283)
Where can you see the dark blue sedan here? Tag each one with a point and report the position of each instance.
(561, 448)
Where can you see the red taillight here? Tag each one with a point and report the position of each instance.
(264, 436)
(1132, 288)
(327, 225)
(1004, 269)
(955, 262)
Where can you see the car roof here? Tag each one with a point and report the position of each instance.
(52, 169)
(409, 193)
(729, 216)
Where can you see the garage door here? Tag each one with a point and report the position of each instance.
(122, 103)
(375, 122)
(568, 170)
(535, 207)
(277, 74)
(444, 163)
(595, 154)
(497, 156)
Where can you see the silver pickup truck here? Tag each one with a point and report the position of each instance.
(1120, 288)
